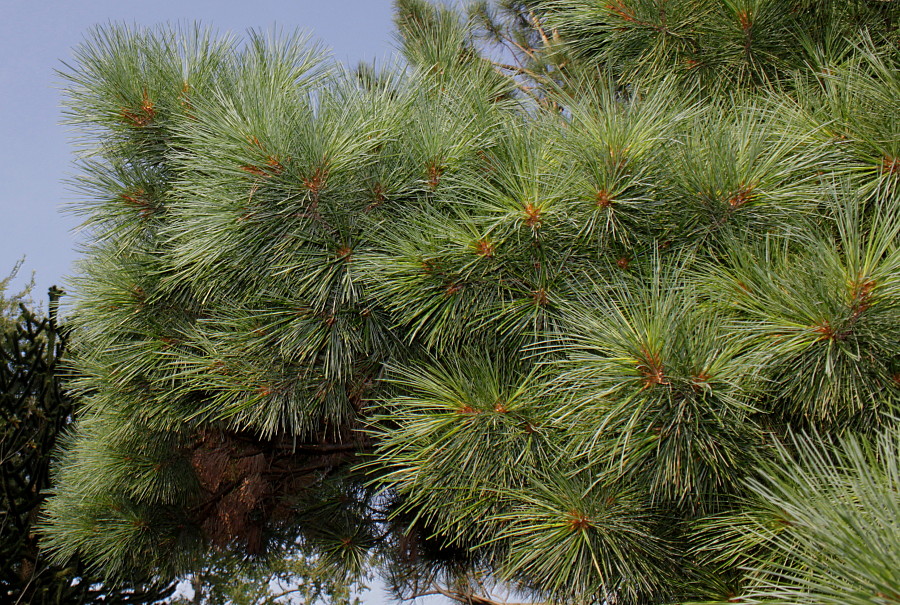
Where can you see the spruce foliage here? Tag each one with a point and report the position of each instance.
(551, 324)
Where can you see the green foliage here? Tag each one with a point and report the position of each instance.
(465, 322)
(656, 389)
(819, 524)
(10, 304)
(289, 576)
(720, 45)
(34, 413)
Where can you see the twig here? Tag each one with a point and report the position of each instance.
(537, 25)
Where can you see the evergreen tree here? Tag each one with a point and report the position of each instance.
(34, 412)
(827, 508)
(469, 325)
(291, 574)
(10, 302)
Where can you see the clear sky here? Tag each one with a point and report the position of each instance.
(36, 36)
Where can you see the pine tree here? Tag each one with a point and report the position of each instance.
(34, 412)
(549, 327)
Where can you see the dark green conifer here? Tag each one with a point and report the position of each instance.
(470, 324)
(34, 413)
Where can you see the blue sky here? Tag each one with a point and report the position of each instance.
(36, 156)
